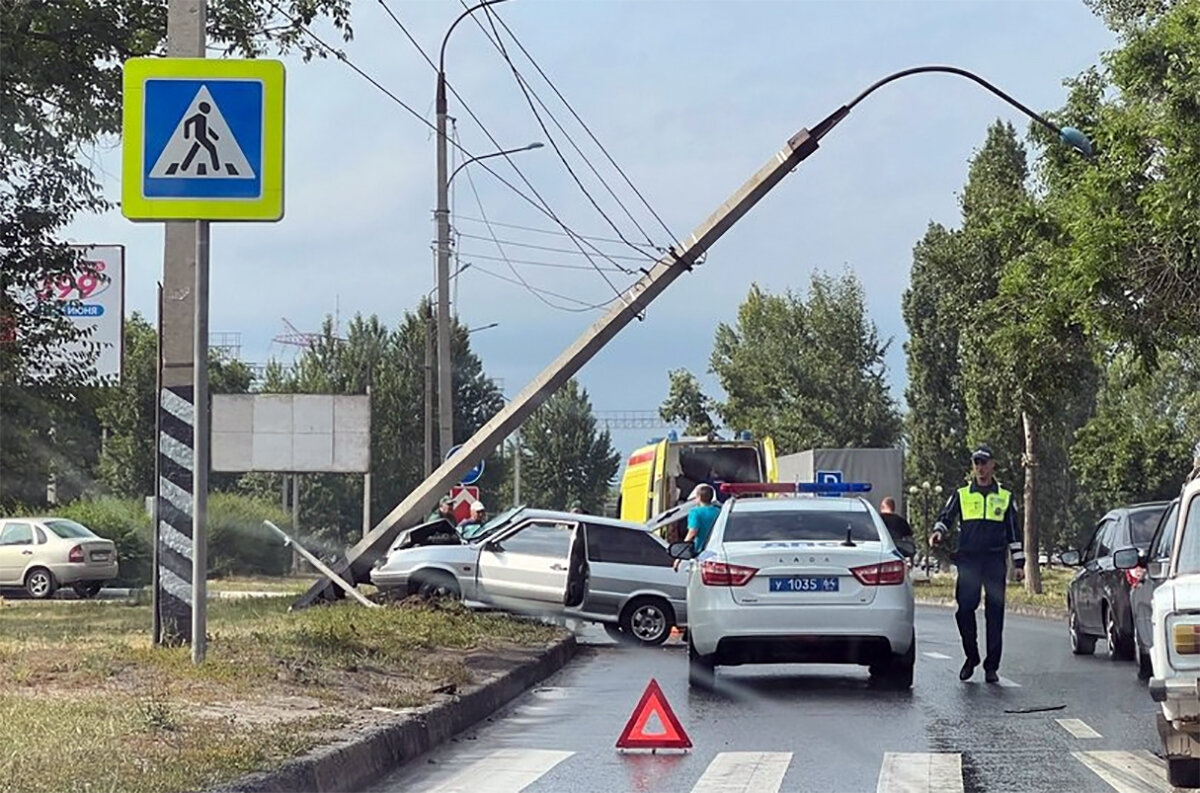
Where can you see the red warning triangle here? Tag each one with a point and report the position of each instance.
(642, 733)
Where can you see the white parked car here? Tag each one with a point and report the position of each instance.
(802, 579)
(1175, 648)
(43, 554)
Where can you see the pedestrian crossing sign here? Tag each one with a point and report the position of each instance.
(203, 139)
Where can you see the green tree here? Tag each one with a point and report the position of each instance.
(60, 98)
(936, 420)
(686, 402)
(1139, 444)
(126, 412)
(564, 458)
(390, 363)
(808, 372)
(1129, 215)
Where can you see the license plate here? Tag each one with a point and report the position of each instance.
(805, 584)
(102, 556)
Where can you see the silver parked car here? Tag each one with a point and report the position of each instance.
(43, 554)
(550, 563)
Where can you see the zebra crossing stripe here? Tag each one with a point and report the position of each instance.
(744, 772)
(1128, 772)
(1078, 728)
(920, 772)
(503, 771)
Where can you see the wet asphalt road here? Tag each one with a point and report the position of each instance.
(822, 728)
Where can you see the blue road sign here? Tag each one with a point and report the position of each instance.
(203, 139)
(472, 476)
(828, 477)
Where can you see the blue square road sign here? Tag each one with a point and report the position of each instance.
(203, 139)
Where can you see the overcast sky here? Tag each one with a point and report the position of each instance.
(689, 98)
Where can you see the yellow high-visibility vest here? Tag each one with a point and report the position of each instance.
(972, 505)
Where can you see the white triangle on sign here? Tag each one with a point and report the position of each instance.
(202, 146)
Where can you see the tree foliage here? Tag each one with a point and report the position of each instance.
(564, 457)
(808, 370)
(687, 403)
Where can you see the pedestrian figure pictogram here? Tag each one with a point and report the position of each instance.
(202, 145)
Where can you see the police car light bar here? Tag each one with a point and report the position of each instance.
(822, 488)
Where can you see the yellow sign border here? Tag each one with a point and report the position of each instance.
(134, 203)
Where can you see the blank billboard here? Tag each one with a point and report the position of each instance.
(291, 433)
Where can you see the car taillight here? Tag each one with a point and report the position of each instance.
(76, 554)
(1134, 576)
(886, 574)
(722, 574)
(1186, 639)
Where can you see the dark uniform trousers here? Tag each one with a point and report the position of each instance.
(989, 572)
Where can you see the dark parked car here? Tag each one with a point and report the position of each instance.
(1098, 595)
(1151, 570)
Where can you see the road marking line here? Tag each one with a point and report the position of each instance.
(503, 771)
(1006, 683)
(920, 772)
(1127, 772)
(1078, 728)
(938, 656)
(744, 772)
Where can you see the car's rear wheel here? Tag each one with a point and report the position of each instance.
(87, 590)
(648, 620)
(1118, 645)
(701, 668)
(1183, 772)
(1081, 643)
(39, 583)
(1144, 668)
(897, 671)
(433, 585)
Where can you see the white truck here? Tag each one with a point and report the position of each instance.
(1175, 654)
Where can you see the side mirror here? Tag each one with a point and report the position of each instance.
(493, 545)
(1127, 559)
(1157, 570)
(682, 550)
(1070, 558)
(907, 547)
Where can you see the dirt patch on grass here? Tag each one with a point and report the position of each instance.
(274, 685)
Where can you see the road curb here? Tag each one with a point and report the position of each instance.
(1036, 612)
(354, 762)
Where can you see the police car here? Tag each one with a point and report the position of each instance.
(799, 579)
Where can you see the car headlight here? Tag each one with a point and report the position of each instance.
(1183, 640)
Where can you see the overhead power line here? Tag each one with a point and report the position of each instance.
(544, 206)
(532, 246)
(468, 255)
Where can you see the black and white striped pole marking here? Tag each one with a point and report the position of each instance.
(175, 554)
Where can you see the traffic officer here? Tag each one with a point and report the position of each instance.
(987, 516)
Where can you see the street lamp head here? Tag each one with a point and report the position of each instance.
(537, 144)
(1076, 139)
(925, 485)
(914, 489)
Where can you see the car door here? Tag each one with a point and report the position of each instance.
(16, 551)
(527, 568)
(1088, 581)
(1158, 558)
(624, 561)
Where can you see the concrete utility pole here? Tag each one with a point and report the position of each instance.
(429, 330)
(630, 305)
(182, 472)
(445, 388)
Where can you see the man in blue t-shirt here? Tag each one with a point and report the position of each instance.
(701, 519)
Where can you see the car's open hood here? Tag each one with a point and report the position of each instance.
(435, 532)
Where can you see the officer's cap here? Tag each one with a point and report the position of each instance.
(982, 452)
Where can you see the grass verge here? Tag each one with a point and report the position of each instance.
(1053, 595)
(88, 704)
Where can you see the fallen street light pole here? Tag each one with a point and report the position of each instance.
(628, 306)
(317, 563)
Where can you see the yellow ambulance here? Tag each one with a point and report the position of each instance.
(662, 474)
